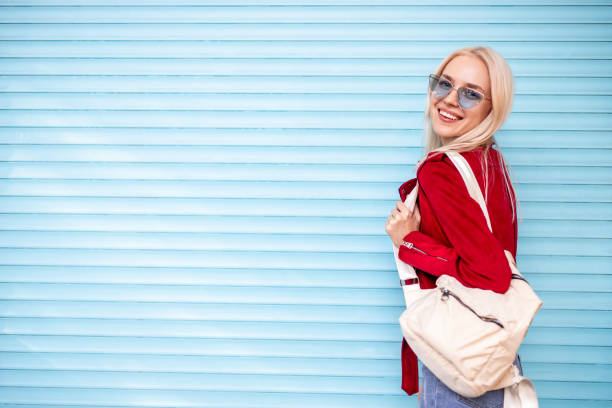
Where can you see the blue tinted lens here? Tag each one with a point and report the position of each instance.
(468, 97)
(439, 86)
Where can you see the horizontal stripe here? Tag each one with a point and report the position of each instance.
(270, 190)
(547, 278)
(282, 66)
(544, 210)
(322, 31)
(262, 295)
(196, 84)
(312, 14)
(546, 354)
(263, 102)
(181, 136)
(333, 242)
(201, 311)
(283, 156)
(281, 119)
(264, 365)
(91, 397)
(182, 226)
(138, 167)
(531, 262)
(292, 49)
(244, 382)
(267, 330)
(298, 2)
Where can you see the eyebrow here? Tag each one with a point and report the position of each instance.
(468, 83)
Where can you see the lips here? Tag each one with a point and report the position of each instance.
(446, 118)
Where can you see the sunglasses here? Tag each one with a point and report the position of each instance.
(468, 98)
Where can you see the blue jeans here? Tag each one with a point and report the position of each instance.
(434, 394)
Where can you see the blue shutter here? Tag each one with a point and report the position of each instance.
(194, 195)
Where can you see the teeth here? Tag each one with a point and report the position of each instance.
(448, 115)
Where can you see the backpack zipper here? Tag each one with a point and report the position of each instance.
(446, 293)
(410, 245)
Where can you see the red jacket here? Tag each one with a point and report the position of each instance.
(454, 238)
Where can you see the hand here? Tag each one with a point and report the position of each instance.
(401, 222)
(419, 394)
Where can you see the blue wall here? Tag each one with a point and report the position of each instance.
(194, 195)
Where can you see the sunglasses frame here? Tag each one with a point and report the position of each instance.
(460, 91)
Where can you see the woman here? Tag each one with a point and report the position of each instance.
(470, 97)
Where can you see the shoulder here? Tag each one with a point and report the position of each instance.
(438, 167)
(436, 162)
(439, 161)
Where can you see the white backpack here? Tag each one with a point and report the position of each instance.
(469, 337)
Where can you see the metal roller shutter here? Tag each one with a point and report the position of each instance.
(193, 195)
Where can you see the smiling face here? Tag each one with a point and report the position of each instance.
(461, 71)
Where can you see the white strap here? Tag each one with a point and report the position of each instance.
(521, 394)
(411, 198)
(404, 270)
(470, 181)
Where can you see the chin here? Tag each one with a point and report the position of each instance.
(444, 134)
(443, 131)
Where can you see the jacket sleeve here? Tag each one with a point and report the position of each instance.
(476, 258)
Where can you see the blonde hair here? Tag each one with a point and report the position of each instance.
(483, 135)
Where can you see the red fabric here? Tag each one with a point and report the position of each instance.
(453, 227)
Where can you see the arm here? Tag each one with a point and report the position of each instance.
(476, 257)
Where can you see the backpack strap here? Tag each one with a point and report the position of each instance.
(521, 393)
(470, 182)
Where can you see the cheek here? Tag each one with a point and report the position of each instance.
(477, 116)
(483, 111)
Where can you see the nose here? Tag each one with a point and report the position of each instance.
(452, 100)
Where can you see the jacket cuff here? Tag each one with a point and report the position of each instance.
(427, 254)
